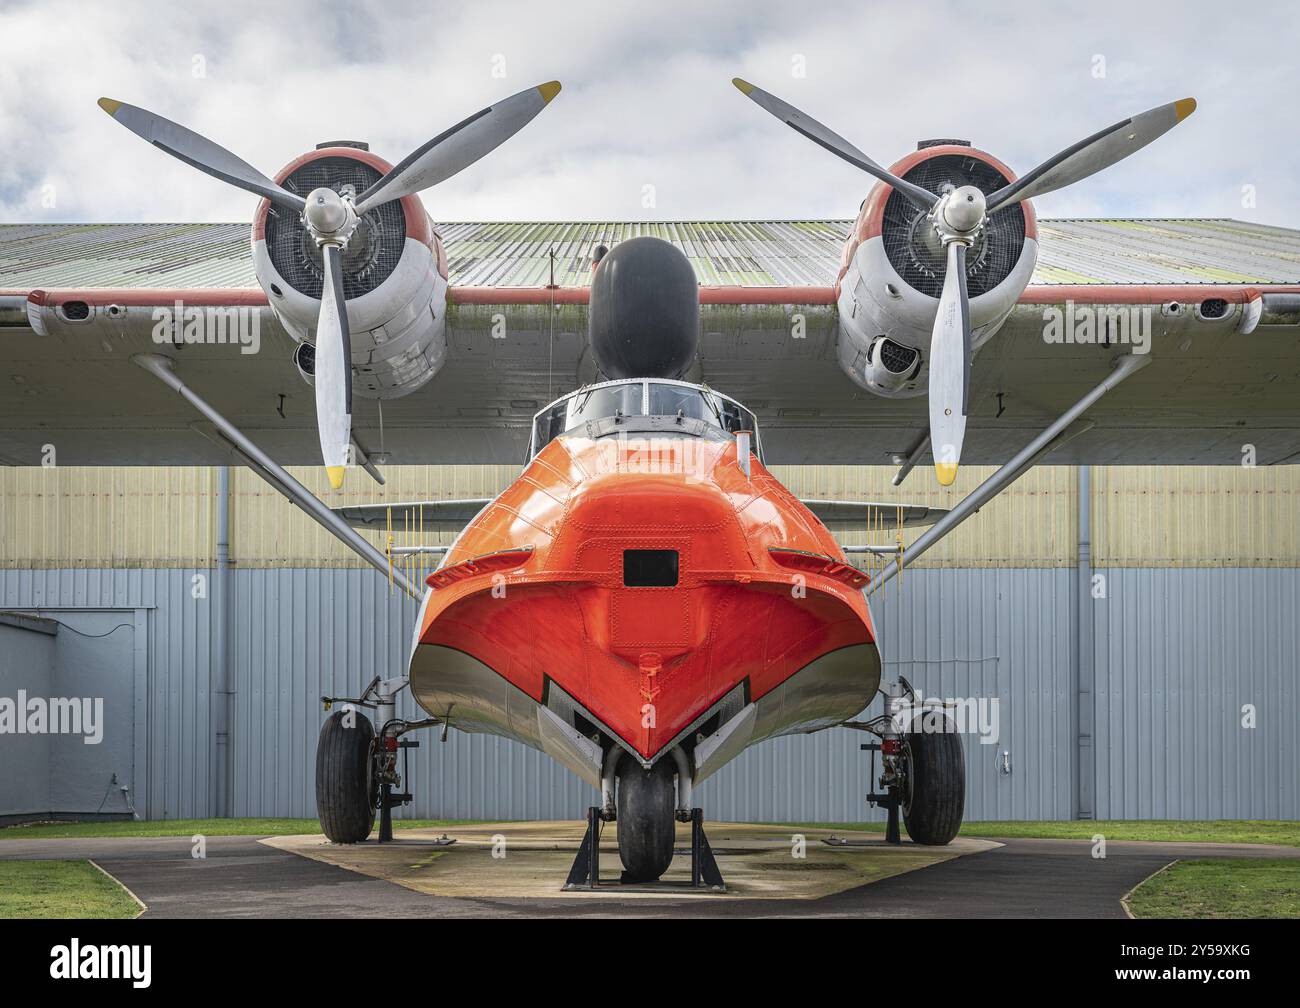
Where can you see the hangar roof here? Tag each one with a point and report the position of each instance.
(742, 253)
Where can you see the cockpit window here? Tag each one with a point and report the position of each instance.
(700, 404)
(590, 404)
(682, 400)
(641, 398)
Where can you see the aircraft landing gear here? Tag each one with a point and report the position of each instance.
(934, 793)
(356, 769)
(924, 774)
(647, 826)
(647, 805)
(346, 795)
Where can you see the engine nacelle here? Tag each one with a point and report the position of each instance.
(893, 266)
(394, 276)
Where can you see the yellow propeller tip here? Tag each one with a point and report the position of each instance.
(335, 473)
(1184, 108)
(744, 85)
(946, 472)
(549, 90)
(110, 105)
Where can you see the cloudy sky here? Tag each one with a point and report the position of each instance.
(647, 100)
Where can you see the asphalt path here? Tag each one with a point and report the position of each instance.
(240, 877)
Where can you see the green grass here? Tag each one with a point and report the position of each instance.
(61, 889)
(1221, 889)
(1216, 831)
(191, 827)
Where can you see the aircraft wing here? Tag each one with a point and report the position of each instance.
(768, 330)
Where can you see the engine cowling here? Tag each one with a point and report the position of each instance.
(394, 275)
(893, 267)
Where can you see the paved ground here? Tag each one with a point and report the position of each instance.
(244, 878)
(532, 857)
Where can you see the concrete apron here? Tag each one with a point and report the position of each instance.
(513, 860)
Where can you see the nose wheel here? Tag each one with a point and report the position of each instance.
(646, 808)
(646, 821)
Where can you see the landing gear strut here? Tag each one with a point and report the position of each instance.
(646, 805)
(585, 873)
(924, 770)
(356, 769)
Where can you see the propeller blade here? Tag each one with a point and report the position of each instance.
(1099, 151)
(459, 147)
(199, 152)
(950, 368)
(333, 375)
(921, 198)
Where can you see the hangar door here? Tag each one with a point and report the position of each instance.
(88, 683)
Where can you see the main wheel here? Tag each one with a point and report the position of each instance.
(646, 801)
(934, 797)
(346, 796)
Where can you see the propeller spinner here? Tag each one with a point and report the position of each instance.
(331, 219)
(957, 217)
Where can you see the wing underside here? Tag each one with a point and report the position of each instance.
(1211, 388)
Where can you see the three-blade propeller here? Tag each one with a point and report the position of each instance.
(958, 216)
(331, 218)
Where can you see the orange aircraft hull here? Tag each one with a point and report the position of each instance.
(532, 595)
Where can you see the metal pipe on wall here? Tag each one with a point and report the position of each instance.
(223, 751)
(1085, 670)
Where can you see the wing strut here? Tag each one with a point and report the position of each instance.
(1013, 470)
(164, 369)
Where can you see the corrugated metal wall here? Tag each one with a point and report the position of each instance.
(1179, 653)
(1193, 516)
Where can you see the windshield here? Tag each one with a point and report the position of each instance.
(642, 398)
(699, 404)
(577, 409)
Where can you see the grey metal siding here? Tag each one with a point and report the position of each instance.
(26, 663)
(1177, 654)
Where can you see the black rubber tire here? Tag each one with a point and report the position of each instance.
(646, 801)
(935, 797)
(345, 798)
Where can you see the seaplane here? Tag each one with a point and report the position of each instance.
(646, 600)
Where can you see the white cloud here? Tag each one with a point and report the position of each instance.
(647, 100)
